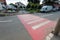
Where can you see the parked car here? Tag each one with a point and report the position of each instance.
(11, 8)
(46, 8)
(49, 8)
(2, 6)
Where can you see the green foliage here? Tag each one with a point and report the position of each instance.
(49, 2)
(32, 11)
(33, 7)
(34, 1)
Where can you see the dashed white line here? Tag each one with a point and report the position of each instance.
(6, 21)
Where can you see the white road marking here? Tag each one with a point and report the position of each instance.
(28, 17)
(47, 15)
(40, 25)
(49, 36)
(25, 15)
(6, 21)
(34, 21)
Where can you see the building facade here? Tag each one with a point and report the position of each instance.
(20, 5)
(4, 1)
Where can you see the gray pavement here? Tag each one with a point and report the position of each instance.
(51, 16)
(13, 30)
(55, 38)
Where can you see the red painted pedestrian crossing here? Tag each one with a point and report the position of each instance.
(37, 27)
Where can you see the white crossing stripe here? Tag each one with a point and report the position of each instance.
(40, 25)
(28, 17)
(34, 21)
(25, 15)
(49, 36)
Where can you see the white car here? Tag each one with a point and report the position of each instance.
(2, 6)
(46, 8)
(11, 8)
(49, 8)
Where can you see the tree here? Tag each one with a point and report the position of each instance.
(33, 5)
(49, 2)
(34, 1)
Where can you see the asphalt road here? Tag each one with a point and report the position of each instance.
(51, 16)
(12, 29)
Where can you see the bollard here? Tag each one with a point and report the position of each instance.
(57, 28)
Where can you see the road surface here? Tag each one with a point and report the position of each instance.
(51, 16)
(11, 27)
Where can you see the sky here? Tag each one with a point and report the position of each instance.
(13, 1)
(23, 1)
